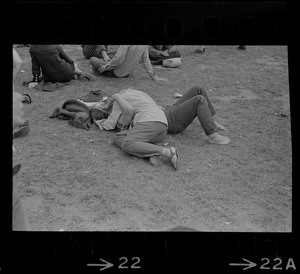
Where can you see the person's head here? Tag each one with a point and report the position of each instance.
(102, 113)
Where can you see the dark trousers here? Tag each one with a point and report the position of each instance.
(194, 103)
(157, 58)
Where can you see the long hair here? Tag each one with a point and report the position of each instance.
(102, 113)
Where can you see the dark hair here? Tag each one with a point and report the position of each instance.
(103, 113)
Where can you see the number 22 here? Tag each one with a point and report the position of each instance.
(133, 266)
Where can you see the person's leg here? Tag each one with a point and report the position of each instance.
(140, 141)
(97, 62)
(194, 91)
(182, 115)
(154, 56)
(174, 54)
(197, 90)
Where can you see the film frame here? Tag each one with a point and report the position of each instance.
(255, 23)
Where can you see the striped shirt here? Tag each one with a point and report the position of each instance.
(90, 51)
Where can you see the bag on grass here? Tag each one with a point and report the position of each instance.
(172, 62)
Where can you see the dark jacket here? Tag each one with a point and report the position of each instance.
(53, 62)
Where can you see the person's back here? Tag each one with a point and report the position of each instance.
(133, 56)
(145, 108)
(55, 67)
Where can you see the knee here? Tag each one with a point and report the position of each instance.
(200, 99)
(94, 61)
(200, 90)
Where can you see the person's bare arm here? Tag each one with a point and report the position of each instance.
(126, 108)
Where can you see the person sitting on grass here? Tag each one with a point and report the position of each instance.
(124, 62)
(104, 52)
(54, 64)
(194, 103)
(158, 53)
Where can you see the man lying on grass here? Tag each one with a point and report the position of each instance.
(141, 123)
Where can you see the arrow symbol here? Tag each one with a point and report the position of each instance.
(249, 264)
(106, 264)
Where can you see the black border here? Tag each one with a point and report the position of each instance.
(227, 23)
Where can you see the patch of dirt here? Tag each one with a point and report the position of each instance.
(76, 180)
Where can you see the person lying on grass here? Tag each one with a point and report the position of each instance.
(54, 64)
(124, 62)
(141, 124)
(194, 103)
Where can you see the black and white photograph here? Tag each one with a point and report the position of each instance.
(151, 138)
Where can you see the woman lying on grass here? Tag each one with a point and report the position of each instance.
(141, 123)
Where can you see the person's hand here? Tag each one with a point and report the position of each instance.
(165, 53)
(114, 96)
(102, 68)
(105, 56)
(156, 78)
(18, 109)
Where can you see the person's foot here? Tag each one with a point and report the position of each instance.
(216, 138)
(220, 127)
(21, 132)
(96, 71)
(172, 155)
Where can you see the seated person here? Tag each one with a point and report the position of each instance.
(124, 62)
(53, 62)
(158, 53)
(104, 52)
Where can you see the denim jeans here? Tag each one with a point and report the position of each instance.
(194, 103)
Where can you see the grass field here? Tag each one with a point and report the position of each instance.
(76, 180)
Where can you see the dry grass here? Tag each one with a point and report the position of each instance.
(73, 179)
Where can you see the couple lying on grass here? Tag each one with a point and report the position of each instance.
(141, 123)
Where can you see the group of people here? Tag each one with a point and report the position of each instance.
(140, 124)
